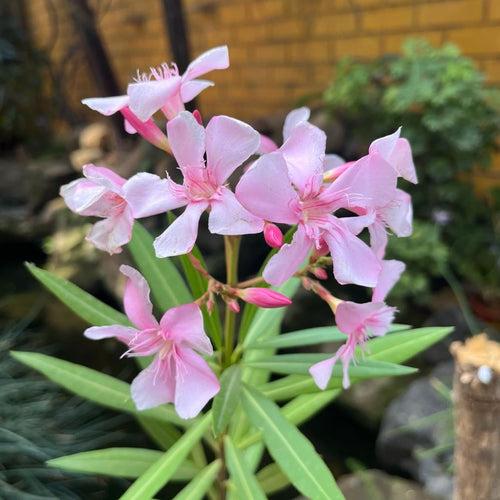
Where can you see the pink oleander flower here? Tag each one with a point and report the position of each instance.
(164, 89)
(287, 187)
(358, 322)
(103, 193)
(263, 297)
(147, 129)
(227, 143)
(177, 374)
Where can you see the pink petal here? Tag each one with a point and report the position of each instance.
(190, 89)
(304, 153)
(195, 383)
(398, 214)
(402, 160)
(84, 197)
(353, 260)
(358, 223)
(103, 176)
(227, 216)
(136, 301)
(384, 146)
(187, 140)
(112, 233)
(288, 259)
(106, 105)
(266, 191)
(180, 237)
(322, 372)
(389, 276)
(122, 333)
(154, 385)
(184, 324)
(229, 142)
(371, 318)
(147, 129)
(267, 145)
(369, 183)
(335, 161)
(147, 194)
(293, 118)
(128, 127)
(216, 58)
(378, 238)
(146, 98)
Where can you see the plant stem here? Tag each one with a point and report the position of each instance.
(232, 247)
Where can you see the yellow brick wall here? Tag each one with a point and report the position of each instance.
(279, 49)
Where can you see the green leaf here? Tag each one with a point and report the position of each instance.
(167, 286)
(297, 411)
(118, 462)
(300, 363)
(162, 433)
(272, 479)
(199, 486)
(83, 304)
(153, 480)
(242, 477)
(227, 399)
(92, 385)
(310, 336)
(290, 449)
(399, 347)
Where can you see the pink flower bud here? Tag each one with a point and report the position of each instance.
(197, 115)
(273, 235)
(320, 273)
(233, 305)
(263, 297)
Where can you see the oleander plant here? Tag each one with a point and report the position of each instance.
(218, 389)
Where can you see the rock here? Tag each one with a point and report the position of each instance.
(378, 485)
(416, 434)
(96, 136)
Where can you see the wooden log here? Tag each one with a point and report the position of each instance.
(476, 395)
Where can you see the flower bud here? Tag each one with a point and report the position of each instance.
(233, 305)
(197, 116)
(320, 273)
(273, 235)
(263, 297)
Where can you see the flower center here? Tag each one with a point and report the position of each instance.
(198, 184)
(162, 72)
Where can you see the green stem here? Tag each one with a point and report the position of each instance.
(232, 247)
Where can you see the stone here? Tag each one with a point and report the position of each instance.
(96, 136)
(416, 435)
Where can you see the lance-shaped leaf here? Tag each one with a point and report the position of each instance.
(198, 487)
(119, 462)
(244, 482)
(310, 336)
(227, 399)
(401, 346)
(290, 449)
(287, 364)
(272, 479)
(162, 471)
(83, 304)
(167, 286)
(95, 386)
(162, 433)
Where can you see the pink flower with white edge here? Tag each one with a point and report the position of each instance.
(103, 193)
(147, 129)
(164, 89)
(287, 187)
(263, 297)
(358, 322)
(227, 143)
(177, 374)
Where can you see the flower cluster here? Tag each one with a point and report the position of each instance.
(327, 201)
